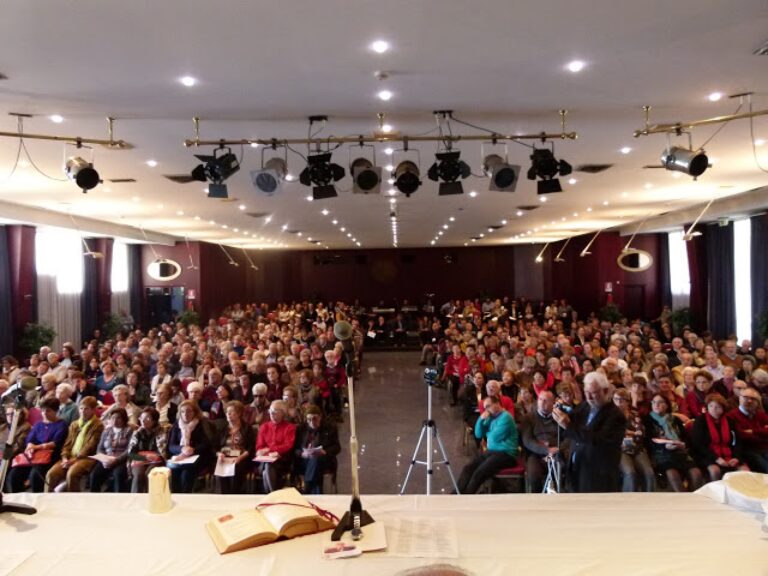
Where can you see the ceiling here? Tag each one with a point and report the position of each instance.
(264, 67)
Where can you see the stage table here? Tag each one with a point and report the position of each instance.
(565, 534)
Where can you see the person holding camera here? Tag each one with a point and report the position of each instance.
(596, 430)
(498, 427)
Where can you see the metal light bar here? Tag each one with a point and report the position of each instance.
(557, 258)
(76, 140)
(682, 126)
(540, 258)
(626, 247)
(690, 234)
(586, 251)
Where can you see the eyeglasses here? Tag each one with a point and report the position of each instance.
(259, 395)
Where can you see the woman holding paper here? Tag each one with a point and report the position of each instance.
(147, 448)
(233, 459)
(112, 454)
(189, 446)
(274, 447)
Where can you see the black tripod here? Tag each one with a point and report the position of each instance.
(7, 457)
(429, 429)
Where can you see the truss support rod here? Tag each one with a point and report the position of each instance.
(681, 126)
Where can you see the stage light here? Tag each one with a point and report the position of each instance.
(269, 179)
(407, 178)
(546, 167)
(449, 168)
(321, 173)
(691, 162)
(502, 174)
(366, 178)
(82, 172)
(215, 170)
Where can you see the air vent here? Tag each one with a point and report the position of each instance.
(762, 51)
(293, 231)
(496, 227)
(475, 238)
(179, 178)
(228, 200)
(3, 76)
(593, 168)
(121, 180)
(528, 208)
(257, 214)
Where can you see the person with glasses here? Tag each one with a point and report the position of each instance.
(275, 440)
(750, 423)
(315, 450)
(257, 412)
(498, 427)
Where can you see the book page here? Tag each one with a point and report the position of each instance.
(289, 519)
(425, 538)
(243, 525)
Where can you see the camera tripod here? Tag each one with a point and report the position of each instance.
(429, 430)
(6, 461)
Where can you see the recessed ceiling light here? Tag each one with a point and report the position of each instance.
(309, 239)
(481, 235)
(575, 66)
(391, 181)
(212, 222)
(242, 206)
(324, 212)
(236, 229)
(572, 181)
(519, 213)
(188, 81)
(290, 177)
(432, 242)
(151, 163)
(343, 229)
(389, 167)
(589, 209)
(452, 219)
(309, 198)
(285, 227)
(349, 234)
(56, 118)
(334, 222)
(224, 226)
(542, 198)
(605, 202)
(358, 244)
(380, 46)
(759, 142)
(180, 213)
(647, 185)
(715, 96)
(384, 95)
(268, 219)
(626, 150)
(575, 214)
(445, 226)
(300, 234)
(197, 217)
(393, 200)
(473, 194)
(562, 219)
(388, 151)
(504, 222)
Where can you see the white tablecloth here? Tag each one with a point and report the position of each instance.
(612, 534)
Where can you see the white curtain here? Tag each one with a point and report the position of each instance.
(121, 299)
(742, 277)
(679, 278)
(59, 263)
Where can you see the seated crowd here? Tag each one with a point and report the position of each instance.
(269, 384)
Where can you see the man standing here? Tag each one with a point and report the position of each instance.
(498, 427)
(596, 431)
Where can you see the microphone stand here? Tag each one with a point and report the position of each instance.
(6, 462)
(356, 517)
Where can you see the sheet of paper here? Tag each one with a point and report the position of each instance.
(225, 468)
(179, 459)
(265, 458)
(103, 458)
(424, 538)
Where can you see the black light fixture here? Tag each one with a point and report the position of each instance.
(546, 167)
(366, 178)
(691, 162)
(407, 177)
(82, 172)
(503, 175)
(448, 169)
(321, 173)
(215, 170)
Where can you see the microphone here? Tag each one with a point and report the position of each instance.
(25, 384)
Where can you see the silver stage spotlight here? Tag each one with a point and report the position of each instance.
(366, 178)
(270, 178)
(691, 162)
(503, 175)
(407, 177)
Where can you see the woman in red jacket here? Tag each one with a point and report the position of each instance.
(274, 446)
(713, 440)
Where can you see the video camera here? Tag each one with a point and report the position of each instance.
(430, 376)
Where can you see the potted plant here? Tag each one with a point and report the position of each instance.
(679, 319)
(762, 324)
(35, 336)
(610, 313)
(189, 317)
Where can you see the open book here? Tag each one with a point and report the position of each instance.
(280, 515)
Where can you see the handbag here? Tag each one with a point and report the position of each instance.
(39, 457)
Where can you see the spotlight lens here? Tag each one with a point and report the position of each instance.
(56, 118)
(576, 66)
(385, 95)
(715, 96)
(188, 81)
(380, 46)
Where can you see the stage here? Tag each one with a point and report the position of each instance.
(566, 534)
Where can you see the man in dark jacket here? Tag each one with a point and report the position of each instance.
(596, 430)
(315, 450)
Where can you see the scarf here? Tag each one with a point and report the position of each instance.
(666, 423)
(719, 440)
(186, 431)
(80, 440)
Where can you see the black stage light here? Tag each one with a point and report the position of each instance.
(449, 168)
(691, 162)
(366, 178)
(407, 177)
(215, 170)
(82, 172)
(321, 173)
(546, 167)
(503, 175)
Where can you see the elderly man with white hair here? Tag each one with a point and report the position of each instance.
(67, 408)
(596, 431)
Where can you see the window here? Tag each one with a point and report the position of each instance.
(119, 277)
(59, 253)
(679, 278)
(742, 278)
